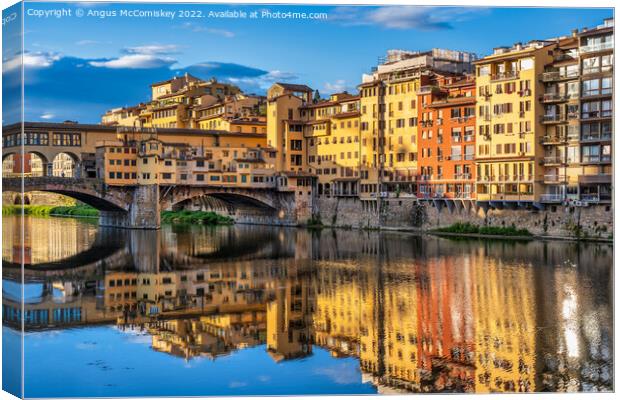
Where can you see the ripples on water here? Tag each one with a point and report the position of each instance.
(263, 310)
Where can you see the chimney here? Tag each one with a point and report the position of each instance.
(574, 32)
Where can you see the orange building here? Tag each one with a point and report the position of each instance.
(446, 138)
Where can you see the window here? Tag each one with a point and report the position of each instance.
(590, 153)
(526, 63)
(590, 87)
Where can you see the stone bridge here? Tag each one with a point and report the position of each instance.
(139, 206)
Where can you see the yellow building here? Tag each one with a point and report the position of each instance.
(186, 157)
(389, 116)
(123, 116)
(332, 140)
(285, 128)
(511, 123)
(238, 113)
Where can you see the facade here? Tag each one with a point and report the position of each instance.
(332, 139)
(596, 105)
(510, 123)
(556, 146)
(446, 139)
(527, 126)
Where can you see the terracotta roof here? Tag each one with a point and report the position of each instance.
(327, 103)
(185, 77)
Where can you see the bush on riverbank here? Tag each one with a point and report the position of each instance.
(195, 217)
(468, 228)
(46, 211)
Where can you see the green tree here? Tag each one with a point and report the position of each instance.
(317, 96)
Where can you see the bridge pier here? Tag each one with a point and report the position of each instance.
(143, 211)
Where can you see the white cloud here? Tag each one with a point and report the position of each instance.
(153, 49)
(87, 42)
(222, 32)
(135, 61)
(406, 17)
(266, 80)
(30, 60)
(336, 87)
(199, 28)
(344, 375)
(47, 116)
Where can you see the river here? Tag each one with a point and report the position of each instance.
(256, 310)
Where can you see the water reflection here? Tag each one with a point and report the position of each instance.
(420, 314)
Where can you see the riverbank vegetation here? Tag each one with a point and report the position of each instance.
(471, 229)
(182, 217)
(195, 217)
(46, 211)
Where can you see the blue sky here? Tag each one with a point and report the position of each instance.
(76, 68)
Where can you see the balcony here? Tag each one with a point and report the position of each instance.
(596, 47)
(596, 159)
(606, 137)
(555, 97)
(485, 178)
(502, 76)
(553, 118)
(558, 118)
(566, 57)
(596, 114)
(552, 198)
(554, 179)
(554, 160)
(553, 76)
(463, 176)
(553, 139)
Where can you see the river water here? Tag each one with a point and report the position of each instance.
(251, 310)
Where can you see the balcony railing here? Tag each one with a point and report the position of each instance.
(505, 76)
(596, 138)
(554, 160)
(552, 198)
(556, 97)
(558, 76)
(596, 47)
(553, 118)
(596, 114)
(595, 159)
(550, 139)
(554, 178)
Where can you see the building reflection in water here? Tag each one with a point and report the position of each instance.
(421, 314)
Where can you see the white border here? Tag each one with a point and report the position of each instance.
(488, 3)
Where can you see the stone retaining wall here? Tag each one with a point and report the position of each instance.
(594, 221)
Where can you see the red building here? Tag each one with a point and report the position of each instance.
(446, 138)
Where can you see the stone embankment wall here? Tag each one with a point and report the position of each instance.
(594, 221)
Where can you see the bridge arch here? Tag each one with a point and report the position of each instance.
(65, 164)
(34, 164)
(88, 191)
(234, 197)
